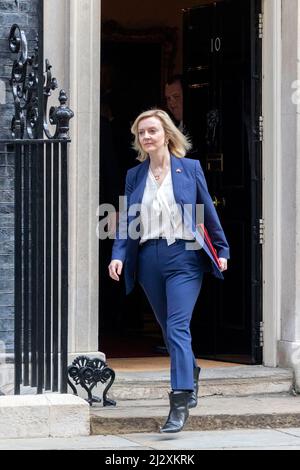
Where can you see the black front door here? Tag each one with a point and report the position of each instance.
(222, 69)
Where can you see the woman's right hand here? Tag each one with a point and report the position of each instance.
(115, 269)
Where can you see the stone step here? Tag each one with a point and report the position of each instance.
(212, 413)
(47, 415)
(223, 381)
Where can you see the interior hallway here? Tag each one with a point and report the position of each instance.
(157, 363)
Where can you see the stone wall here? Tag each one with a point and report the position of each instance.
(24, 13)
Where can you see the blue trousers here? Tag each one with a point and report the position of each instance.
(171, 278)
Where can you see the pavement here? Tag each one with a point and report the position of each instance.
(238, 439)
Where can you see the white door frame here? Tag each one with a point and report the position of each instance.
(271, 97)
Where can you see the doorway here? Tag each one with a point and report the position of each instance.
(221, 66)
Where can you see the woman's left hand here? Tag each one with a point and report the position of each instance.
(223, 262)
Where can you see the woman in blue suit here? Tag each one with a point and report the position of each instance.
(162, 248)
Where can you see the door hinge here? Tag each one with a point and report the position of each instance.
(261, 334)
(261, 231)
(260, 26)
(261, 128)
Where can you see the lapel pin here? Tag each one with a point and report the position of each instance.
(178, 170)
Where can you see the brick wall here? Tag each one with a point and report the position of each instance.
(24, 13)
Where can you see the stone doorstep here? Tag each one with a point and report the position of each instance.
(212, 413)
(160, 390)
(48, 415)
(235, 381)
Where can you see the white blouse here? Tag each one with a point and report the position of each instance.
(160, 216)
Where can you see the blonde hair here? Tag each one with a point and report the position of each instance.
(179, 144)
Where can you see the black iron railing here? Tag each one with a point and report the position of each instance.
(41, 221)
(41, 264)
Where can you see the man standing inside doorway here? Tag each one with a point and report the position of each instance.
(174, 99)
(174, 96)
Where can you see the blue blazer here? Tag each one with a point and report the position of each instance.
(189, 187)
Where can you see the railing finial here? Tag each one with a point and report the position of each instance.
(61, 115)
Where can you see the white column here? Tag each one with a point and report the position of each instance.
(85, 40)
(72, 42)
(289, 342)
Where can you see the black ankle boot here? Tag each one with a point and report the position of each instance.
(193, 398)
(178, 412)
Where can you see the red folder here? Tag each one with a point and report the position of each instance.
(209, 244)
